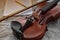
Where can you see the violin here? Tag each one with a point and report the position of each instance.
(34, 27)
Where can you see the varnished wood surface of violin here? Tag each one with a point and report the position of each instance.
(38, 28)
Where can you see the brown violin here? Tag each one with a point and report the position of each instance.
(35, 26)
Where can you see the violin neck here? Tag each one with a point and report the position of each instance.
(49, 6)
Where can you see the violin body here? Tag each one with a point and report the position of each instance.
(37, 30)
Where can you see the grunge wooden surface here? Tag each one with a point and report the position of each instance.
(53, 32)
